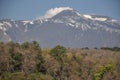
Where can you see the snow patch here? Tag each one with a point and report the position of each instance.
(1, 24)
(57, 21)
(96, 18)
(100, 19)
(77, 25)
(71, 24)
(54, 11)
(78, 14)
(88, 16)
(7, 23)
(71, 20)
(113, 20)
(41, 21)
(87, 26)
(26, 29)
(16, 25)
(3, 28)
(26, 22)
(5, 33)
(31, 22)
(46, 20)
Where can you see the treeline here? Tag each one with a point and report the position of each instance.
(27, 61)
(106, 48)
(112, 49)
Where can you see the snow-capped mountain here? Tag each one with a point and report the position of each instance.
(64, 26)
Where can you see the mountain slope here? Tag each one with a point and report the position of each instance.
(64, 26)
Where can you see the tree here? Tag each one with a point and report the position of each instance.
(16, 60)
(58, 52)
(36, 50)
(25, 45)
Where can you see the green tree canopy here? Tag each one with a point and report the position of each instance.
(58, 52)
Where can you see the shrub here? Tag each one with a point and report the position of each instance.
(107, 68)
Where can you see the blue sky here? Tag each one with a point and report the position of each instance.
(31, 9)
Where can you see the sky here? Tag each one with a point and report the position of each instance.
(32, 9)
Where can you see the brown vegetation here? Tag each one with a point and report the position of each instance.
(28, 62)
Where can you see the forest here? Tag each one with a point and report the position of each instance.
(28, 61)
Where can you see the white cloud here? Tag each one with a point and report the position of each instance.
(52, 12)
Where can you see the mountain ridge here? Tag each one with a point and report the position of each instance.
(64, 26)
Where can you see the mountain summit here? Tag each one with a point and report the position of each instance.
(52, 12)
(64, 26)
